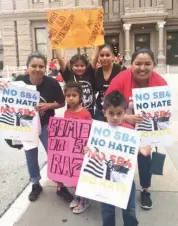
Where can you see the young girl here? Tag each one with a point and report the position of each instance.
(80, 70)
(104, 76)
(73, 95)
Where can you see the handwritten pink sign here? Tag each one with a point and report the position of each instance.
(66, 140)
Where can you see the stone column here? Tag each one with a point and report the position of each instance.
(9, 43)
(22, 4)
(161, 56)
(85, 3)
(68, 3)
(127, 43)
(110, 10)
(96, 2)
(6, 5)
(46, 4)
(24, 40)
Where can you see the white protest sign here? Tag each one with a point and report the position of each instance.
(28, 145)
(23, 85)
(18, 117)
(108, 169)
(155, 105)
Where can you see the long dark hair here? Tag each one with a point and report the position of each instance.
(76, 86)
(78, 57)
(36, 55)
(106, 46)
(143, 51)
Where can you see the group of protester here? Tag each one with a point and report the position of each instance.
(104, 94)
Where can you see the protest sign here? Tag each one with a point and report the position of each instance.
(28, 145)
(76, 28)
(66, 140)
(154, 104)
(18, 117)
(108, 168)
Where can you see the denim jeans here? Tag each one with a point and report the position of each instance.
(129, 215)
(144, 166)
(91, 112)
(32, 157)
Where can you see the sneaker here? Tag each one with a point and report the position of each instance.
(74, 202)
(80, 208)
(130, 220)
(146, 202)
(35, 193)
(64, 193)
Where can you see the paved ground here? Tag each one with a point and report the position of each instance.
(13, 172)
(53, 211)
(61, 215)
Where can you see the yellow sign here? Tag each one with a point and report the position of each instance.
(76, 28)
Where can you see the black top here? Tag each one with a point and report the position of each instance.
(101, 84)
(87, 82)
(50, 92)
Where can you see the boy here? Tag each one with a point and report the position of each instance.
(114, 110)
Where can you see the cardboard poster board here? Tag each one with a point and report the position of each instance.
(18, 117)
(76, 28)
(67, 138)
(155, 105)
(108, 169)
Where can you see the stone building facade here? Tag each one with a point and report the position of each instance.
(24, 27)
(134, 24)
(129, 25)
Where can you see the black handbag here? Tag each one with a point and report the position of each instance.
(157, 163)
(10, 143)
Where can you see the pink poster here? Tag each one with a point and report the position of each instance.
(66, 140)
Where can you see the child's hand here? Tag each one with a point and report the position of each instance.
(146, 150)
(86, 150)
(4, 85)
(133, 119)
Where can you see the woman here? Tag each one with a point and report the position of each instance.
(53, 67)
(104, 76)
(51, 97)
(140, 75)
(80, 70)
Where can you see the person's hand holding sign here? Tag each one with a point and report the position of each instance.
(146, 151)
(4, 84)
(86, 150)
(43, 107)
(133, 119)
